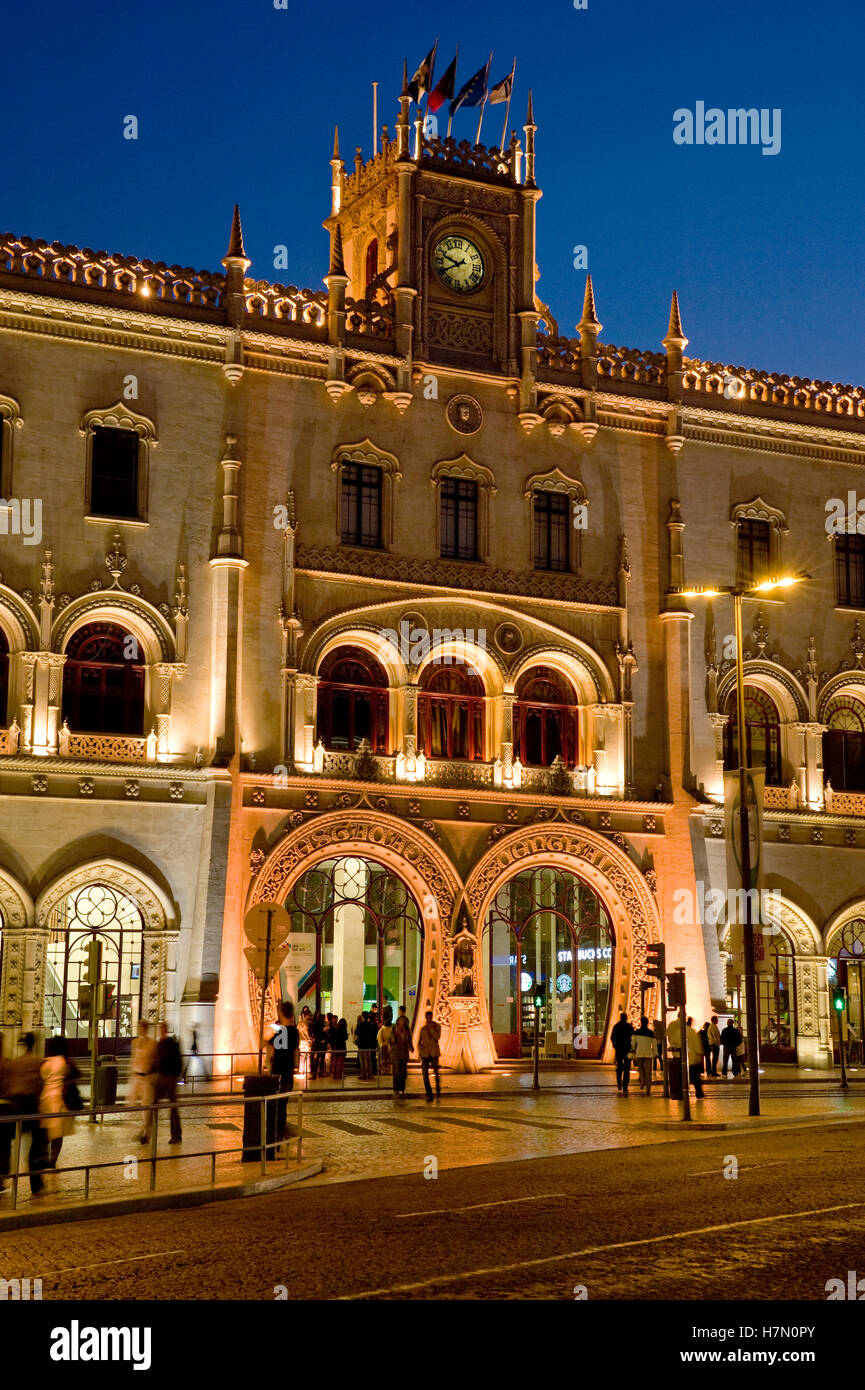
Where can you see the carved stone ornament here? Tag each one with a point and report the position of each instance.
(464, 414)
(508, 638)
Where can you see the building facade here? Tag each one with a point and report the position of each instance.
(364, 601)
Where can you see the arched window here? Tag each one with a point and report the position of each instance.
(762, 735)
(356, 940)
(95, 913)
(545, 719)
(844, 745)
(545, 924)
(103, 681)
(846, 968)
(352, 701)
(776, 999)
(450, 712)
(371, 269)
(4, 678)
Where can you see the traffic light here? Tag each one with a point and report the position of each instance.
(675, 990)
(84, 996)
(839, 998)
(656, 960)
(540, 994)
(106, 1001)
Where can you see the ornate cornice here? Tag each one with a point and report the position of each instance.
(476, 580)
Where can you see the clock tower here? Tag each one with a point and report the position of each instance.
(440, 234)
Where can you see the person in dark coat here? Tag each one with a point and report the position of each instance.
(284, 1045)
(318, 1040)
(364, 1036)
(730, 1040)
(704, 1043)
(338, 1048)
(168, 1068)
(621, 1037)
(400, 1047)
(23, 1087)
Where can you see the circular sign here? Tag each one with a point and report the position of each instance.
(256, 921)
(464, 414)
(526, 981)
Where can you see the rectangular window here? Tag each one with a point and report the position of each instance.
(114, 473)
(850, 571)
(459, 519)
(753, 551)
(552, 514)
(361, 505)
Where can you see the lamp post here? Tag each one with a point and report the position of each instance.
(737, 592)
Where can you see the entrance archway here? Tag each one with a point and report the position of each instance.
(96, 913)
(626, 916)
(547, 925)
(356, 940)
(415, 876)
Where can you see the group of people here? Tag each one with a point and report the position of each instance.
(381, 1043)
(644, 1045)
(35, 1086)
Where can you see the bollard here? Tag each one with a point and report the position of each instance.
(16, 1161)
(154, 1113)
(299, 1125)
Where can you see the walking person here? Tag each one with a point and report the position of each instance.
(364, 1036)
(141, 1064)
(704, 1043)
(56, 1072)
(429, 1053)
(660, 1041)
(695, 1058)
(714, 1036)
(168, 1066)
(620, 1037)
(385, 1038)
(375, 1024)
(284, 1045)
(318, 1042)
(23, 1089)
(730, 1040)
(338, 1048)
(644, 1049)
(401, 1045)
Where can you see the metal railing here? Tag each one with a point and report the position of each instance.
(263, 1145)
(368, 1063)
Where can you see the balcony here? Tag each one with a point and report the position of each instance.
(836, 803)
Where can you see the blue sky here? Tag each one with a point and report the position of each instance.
(236, 101)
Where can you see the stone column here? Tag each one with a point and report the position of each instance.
(153, 962)
(304, 726)
(163, 674)
(55, 664)
(719, 723)
(22, 984)
(506, 704)
(28, 663)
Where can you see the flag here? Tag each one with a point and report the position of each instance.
(502, 90)
(421, 80)
(474, 93)
(444, 90)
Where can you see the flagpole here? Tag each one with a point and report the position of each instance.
(484, 102)
(430, 80)
(374, 119)
(508, 108)
(450, 113)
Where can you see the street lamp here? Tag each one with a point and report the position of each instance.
(737, 592)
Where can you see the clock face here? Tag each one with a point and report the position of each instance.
(458, 263)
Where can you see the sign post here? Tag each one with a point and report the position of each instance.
(267, 926)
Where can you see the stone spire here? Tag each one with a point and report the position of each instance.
(675, 337)
(236, 251)
(529, 129)
(337, 262)
(590, 320)
(337, 168)
(403, 125)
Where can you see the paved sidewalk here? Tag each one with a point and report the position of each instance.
(481, 1119)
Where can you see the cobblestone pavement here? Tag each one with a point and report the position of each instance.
(373, 1135)
(656, 1221)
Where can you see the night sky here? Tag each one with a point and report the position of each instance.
(237, 102)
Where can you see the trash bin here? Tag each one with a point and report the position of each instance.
(254, 1087)
(106, 1083)
(674, 1075)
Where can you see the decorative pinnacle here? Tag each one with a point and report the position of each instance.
(530, 118)
(337, 264)
(405, 91)
(235, 245)
(675, 336)
(336, 142)
(590, 318)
